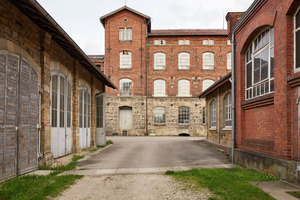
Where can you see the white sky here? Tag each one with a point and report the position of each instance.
(80, 18)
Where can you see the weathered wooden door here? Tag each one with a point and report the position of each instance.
(125, 118)
(19, 114)
(61, 131)
(100, 120)
(84, 118)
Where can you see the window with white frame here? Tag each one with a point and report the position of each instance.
(208, 60)
(184, 42)
(125, 34)
(228, 42)
(159, 88)
(125, 60)
(229, 61)
(211, 42)
(206, 84)
(203, 115)
(159, 42)
(183, 88)
(160, 61)
(205, 42)
(183, 115)
(297, 40)
(159, 115)
(213, 114)
(183, 61)
(259, 65)
(125, 87)
(227, 110)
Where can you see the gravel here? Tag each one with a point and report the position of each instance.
(133, 187)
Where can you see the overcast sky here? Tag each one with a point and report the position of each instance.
(80, 18)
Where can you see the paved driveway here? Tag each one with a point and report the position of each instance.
(152, 152)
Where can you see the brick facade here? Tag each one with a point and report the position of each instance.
(142, 72)
(266, 126)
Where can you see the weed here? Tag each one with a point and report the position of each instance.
(108, 142)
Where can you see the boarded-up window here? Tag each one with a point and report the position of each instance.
(160, 88)
(208, 60)
(184, 88)
(183, 61)
(160, 61)
(125, 60)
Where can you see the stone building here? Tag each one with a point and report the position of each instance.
(219, 114)
(159, 74)
(49, 90)
(266, 81)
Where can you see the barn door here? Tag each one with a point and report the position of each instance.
(19, 109)
(125, 118)
(84, 118)
(100, 120)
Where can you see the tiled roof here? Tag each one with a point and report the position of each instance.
(188, 32)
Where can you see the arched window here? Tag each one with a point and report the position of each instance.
(183, 88)
(159, 115)
(183, 115)
(260, 65)
(227, 110)
(184, 61)
(160, 88)
(206, 84)
(125, 87)
(125, 60)
(160, 61)
(229, 61)
(213, 114)
(297, 40)
(208, 60)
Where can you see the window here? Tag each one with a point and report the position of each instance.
(206, 84)
(159, 61)
(184, 42)
(183, 88)
(183, 115)
(229, 61)
(203, 115)
(159, 88)
(84, 108)
(259, 65)
(228, 42)
(297, 41)
(213, 114)
(183, 61)
(125, 87)
(125, 60)
(227, 110)
(125, 34)
(205, 42)
(159, 42)
(159, 115)
(208, 42)
(208, 60)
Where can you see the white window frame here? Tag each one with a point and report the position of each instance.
(159, 61)
(184, 115)
(125, 60)
(183, 42)
(159, 116)
(159, 42)
(213, 114)
(211, 42)
(184, 88)
(265, 85)
(229, 61)
(125, 92)
(227, 111)
(205, 42)
(208, 59)
(125, 34)
(159, 88)
(206, 84)
(228, 42)
(184, 61)
(296, 30)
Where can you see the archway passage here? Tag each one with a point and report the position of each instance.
(19, 116)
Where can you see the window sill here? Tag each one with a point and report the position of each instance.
(227, 128)
(212, 128)
(183, 96)
(209, 69)
(184, 124)
(183, 69)
(159, 124)
(258, 101)
(162, 70)
(125, 95)
(125, 41)
(125, 69)
(159, 96)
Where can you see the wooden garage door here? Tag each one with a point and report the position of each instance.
(18, 116)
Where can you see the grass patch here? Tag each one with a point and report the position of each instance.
(108, 142)
(227, 183)
(37, 187)
(295, 194)
(92, 149)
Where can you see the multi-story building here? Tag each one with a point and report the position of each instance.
(159, 74)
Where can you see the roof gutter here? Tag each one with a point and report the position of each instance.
(233, 97)
(57, 26)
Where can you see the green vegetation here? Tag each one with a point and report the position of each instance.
(226, 183)
(40, 187)
(295, 194)
(108, 142)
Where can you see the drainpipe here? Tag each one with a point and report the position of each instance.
(147, 64)
(233, 96)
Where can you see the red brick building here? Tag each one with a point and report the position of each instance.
(159, 74)
(266, 85)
